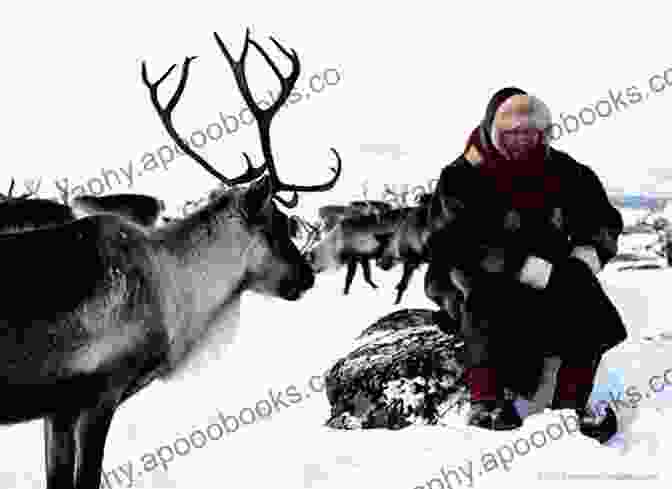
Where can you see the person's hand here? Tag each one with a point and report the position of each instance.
(589, 256)
(536, 272)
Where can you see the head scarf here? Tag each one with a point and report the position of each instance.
(526, 182)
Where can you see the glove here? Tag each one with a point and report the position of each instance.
(535, 272)
(589, 256)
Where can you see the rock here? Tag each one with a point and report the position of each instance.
(404, 371)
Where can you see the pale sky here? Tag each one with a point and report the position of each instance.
(415, 75)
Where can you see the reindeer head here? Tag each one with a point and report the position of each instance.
(250, 217)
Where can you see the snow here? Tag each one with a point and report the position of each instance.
(411, 83)
(285, 343)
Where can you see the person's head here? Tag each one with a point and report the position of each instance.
(516, 124)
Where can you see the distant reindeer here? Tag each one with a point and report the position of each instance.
(408, 244)
(119, 305)
(25, 212)
(9, 195)
(356, 239)
(332, 215)
(142, 209)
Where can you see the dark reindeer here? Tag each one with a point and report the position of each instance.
(9, 195)
(408, 244)
(25, 212)
(141, 209)
(138, 301)
(331, 215)
(358, 238)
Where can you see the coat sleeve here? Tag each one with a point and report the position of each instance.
(592, 219)
(461, 226)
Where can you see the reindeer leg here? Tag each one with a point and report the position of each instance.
(350, 275)
(93, 426)
(366, 268)
(59, 444)
(400, 294)
(409, 268)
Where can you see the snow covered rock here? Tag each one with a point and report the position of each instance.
(402, 372)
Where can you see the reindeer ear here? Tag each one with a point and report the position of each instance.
(258, 197)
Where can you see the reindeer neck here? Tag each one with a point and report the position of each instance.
(207, 250)
(205, 256)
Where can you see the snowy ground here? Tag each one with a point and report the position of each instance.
(287, 343)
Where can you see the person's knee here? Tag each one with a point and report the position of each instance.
(478, 355)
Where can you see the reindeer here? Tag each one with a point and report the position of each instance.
(139, 301)
(408, 244)
(332, 215)
(142, 209)
(9, 195)
(25, 212)
(357, 238)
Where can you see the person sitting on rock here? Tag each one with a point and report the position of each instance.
(525, 228)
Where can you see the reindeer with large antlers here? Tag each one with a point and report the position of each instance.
(138, 301)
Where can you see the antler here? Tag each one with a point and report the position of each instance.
(312, 234)
(9, 193)
(265, 116)
(166, 114)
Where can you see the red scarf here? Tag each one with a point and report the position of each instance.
(524, 184)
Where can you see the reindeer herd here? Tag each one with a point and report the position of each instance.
(125, 296)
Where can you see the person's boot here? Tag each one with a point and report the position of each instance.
(498, 415)
(575, 384)
(489, 408)
(599, 426)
